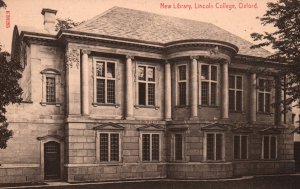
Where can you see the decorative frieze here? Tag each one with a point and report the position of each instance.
(72, 57)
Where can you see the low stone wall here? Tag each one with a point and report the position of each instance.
(19, 174)
(199, 170)
(103, 172)
(242, 168)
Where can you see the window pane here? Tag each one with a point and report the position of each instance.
(204, 72)
(178, 146)
(232, 82)
(219, 145)
(182, 93)
(210, 147)
(114, 147)
(151, 74)
(100, 90)
(273, 147)
(155, 147)
(213, 94)
(110, 70)
(236, 147)
(214, 73)
(268, 85)
(182, 72)
(239, 100)
(239, 84)
(267, 102)
(261, 84)
(231, 100)
(100, 69)
(110, 91)
(142, 73)
(146, 147)
(266, 147)
(142, 93)
(151, 94)
(244, 147)
(260, 102)
(204, 93)
(103, 147)
(50, 89)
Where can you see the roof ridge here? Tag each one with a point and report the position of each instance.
(161, 15)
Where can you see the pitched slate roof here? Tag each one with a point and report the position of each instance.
(150, 27)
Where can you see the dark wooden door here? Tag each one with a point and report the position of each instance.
(52, 160)
(297, 155)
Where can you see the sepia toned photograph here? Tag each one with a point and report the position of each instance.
(153, 94)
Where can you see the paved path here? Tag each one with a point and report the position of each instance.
(249, 182)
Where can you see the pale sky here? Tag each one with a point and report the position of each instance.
(239, 21)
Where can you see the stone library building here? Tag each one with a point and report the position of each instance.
(131, 95)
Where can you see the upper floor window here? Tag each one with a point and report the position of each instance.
(209, 81)
(105, 82)
(240, 146)
(150, 147)
(146, 85)
(182, 85)
(269, 147)
(214, 146)
(235, 93)
(51, 87)
(264, 95)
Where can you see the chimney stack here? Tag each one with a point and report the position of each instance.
(49, 19)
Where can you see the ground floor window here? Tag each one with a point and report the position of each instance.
(178, 147)
(240, 147)
(269, 147)
(109, 147)
(150, 147)
(214, 146)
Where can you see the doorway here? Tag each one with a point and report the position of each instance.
(52, 160)
(297, 156)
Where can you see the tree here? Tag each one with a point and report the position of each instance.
(284, 15)
(2, 4)
(10, 91)
(67, 23)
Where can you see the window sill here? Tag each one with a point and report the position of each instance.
(236, 160)
(57, 104)
(144, 106)
(265, 113)
(27, 102)
(270, 159)
(208, 106)
(103, 104)
(214, 161)
(183, 106)
(178, 161)
(236, 112)
(109, 163)
(150, 162)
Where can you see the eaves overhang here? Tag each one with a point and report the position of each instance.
(64, 34)
(34, 35)
(259, 60)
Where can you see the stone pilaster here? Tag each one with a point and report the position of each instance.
(194, 88)
(253, 101)
(168, 108)
(225, 97)
(129, 88)
(72, 60)
(277, 117)
(85, 82)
